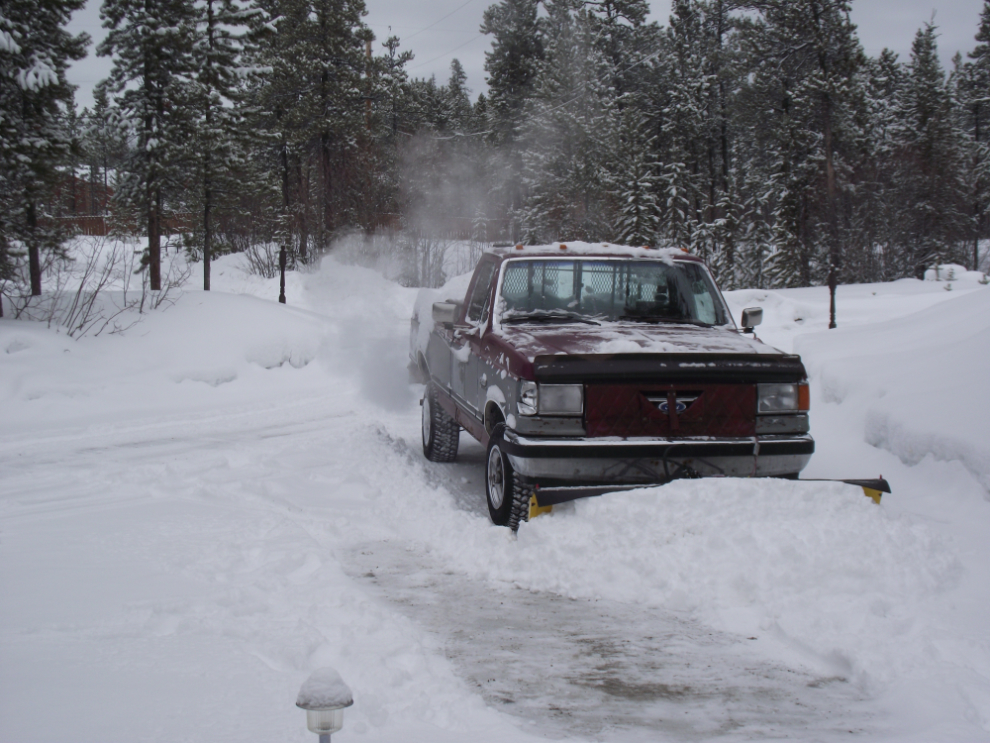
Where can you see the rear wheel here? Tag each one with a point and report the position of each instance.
(441, 433)
(507, 493)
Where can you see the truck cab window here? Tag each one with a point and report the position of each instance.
(479, 294)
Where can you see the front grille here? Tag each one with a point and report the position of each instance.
(644, 410)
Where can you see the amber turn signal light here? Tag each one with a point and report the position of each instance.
(804, 397)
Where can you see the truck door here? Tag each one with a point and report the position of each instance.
(466, 365)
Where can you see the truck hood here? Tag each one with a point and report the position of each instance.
(627, 338)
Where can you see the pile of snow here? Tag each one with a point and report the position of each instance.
(817, 566)
(953, 272)
(924, 391)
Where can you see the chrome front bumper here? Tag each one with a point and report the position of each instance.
(616, 461)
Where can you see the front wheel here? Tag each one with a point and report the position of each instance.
(507, 493)
(441, 433)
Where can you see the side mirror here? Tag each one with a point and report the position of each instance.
(445, 313)
(751, 317)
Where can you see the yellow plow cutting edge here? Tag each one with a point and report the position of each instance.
(874, 494)
(535, 509)
(873, 489)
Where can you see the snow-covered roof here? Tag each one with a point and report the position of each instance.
(597, 249)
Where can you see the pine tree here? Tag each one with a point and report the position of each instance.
(442, 175)
(930, 180)
(685, 125)
(638, 222)
(512, 64)
(104, 146)
(517, 49)
(876, 214)
(151, 43)
(316, 98)
(35, 143)
(570, 137)
(975, 90)
(809, 58)
(223, 30)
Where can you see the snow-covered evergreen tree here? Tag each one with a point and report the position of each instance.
(638, 221)
(685, 125)
(512, 63)
(805, 56)
(975, 102)
(315, 97)
(569, 141)
(35, 98)
(930, 181)
(151, 46)
(874, 210)
(104, 148)
(225, 32)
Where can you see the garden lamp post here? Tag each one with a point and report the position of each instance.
(324, 695)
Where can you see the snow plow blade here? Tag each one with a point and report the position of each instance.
(543, 500)
(871, 488)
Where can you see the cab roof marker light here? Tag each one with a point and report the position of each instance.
(519, 246)
(563, 247)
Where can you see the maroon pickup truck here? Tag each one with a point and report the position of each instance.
(586, 369)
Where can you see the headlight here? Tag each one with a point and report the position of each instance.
(550, 399)
(782, 398)
(561, 399)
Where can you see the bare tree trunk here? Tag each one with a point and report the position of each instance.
(153, 191)
(977, 210)
(833, 237)
(303, 203)
(207, 164)
(34, 252)
(154, 237)
(207, 228)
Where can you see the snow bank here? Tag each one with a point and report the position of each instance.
(923, 389)
(169, 357)
(953, 272)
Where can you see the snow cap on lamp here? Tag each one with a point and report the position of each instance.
(324, 695)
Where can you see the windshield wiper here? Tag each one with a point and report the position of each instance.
(661, 319)
(548, 316)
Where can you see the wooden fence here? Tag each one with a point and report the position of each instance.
(448, 228)
(100, 226)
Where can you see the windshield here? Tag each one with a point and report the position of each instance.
(600, 289)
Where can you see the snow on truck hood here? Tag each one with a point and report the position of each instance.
(616, 338)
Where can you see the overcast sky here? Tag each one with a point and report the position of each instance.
(438, 31)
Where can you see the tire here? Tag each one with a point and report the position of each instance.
(441, 433)
(506, 492)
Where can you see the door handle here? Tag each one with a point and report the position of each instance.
(484, 380)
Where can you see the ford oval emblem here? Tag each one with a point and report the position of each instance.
(664, 408)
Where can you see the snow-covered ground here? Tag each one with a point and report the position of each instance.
(199, 511)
